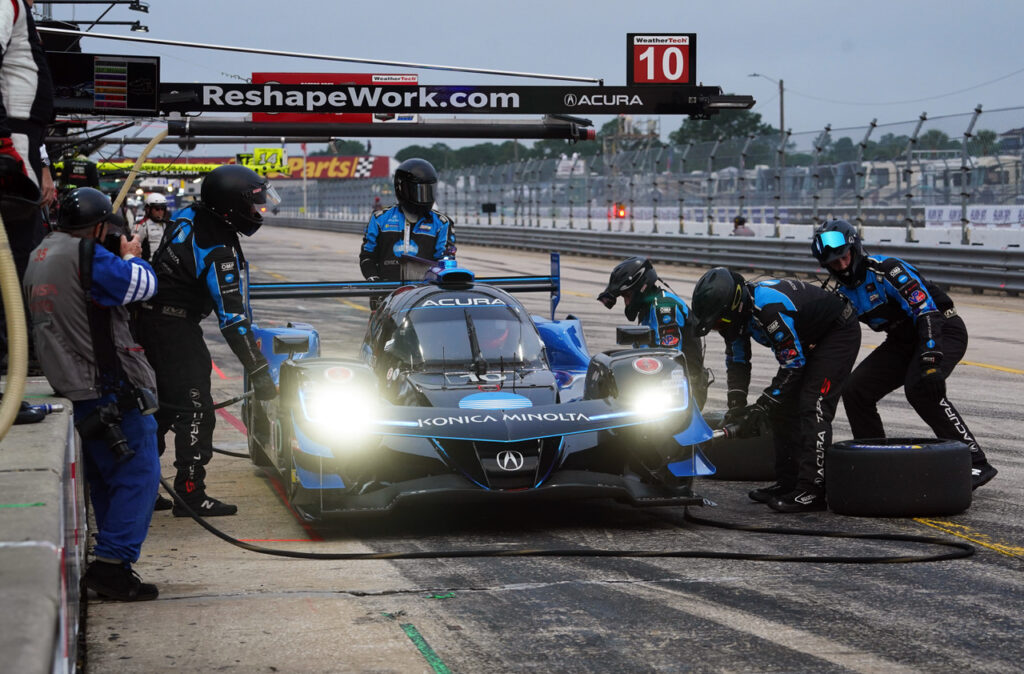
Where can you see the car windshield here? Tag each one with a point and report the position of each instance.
(443, 337)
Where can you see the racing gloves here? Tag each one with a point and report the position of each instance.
(262, 383)
(737, 402)
(754, 418)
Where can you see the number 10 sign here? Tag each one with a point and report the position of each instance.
(661, 58)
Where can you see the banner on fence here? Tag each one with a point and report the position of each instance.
(979, 216)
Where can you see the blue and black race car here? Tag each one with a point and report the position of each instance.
(460, 394)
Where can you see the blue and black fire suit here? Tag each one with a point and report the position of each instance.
(200, 268)
(384, 241)
(667, 315)
(815, 338)
(921, 325)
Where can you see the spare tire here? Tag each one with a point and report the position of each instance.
(750, 459)
(898, 477)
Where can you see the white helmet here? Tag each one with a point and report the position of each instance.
(156, 199)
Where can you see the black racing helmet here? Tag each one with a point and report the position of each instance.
(831, 241)
(721, 302)
(234, 193)
(415, 185)
(633, 278)
(82, 208)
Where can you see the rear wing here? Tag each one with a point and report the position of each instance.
(434, 275)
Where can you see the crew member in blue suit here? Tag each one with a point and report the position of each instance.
(77, 291)
(925, 339)
(664, 312)
(411, 226)
(815, 338)
(202, 269)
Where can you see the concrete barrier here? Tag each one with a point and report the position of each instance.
(42, 541)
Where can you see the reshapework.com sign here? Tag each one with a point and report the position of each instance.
(231, 97)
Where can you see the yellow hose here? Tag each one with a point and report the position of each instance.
(135, 169)
(17, 336)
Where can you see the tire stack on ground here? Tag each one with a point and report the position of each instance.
(898, 477)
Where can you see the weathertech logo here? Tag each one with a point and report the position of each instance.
(662, 39)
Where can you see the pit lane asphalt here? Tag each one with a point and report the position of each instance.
(224, 609)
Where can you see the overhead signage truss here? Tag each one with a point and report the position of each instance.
(695, 101)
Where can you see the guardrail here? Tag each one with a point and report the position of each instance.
(974, 267)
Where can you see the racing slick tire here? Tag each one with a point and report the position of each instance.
(898, 477)
(258, 433)
(741, 459)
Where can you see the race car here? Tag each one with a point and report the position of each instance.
(460, 394)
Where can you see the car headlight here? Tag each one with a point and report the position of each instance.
(666, 397)
(346, 412)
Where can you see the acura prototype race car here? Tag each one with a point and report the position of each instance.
(461, 394)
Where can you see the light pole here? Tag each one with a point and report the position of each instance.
(782, 132)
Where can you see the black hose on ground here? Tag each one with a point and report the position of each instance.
(961, 550)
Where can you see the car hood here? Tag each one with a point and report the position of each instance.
(492, 390)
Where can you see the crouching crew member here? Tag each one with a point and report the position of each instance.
(77, 290)
(664, 312)
(925, 339)
(815, 338)
(410, 227)
(199, 271)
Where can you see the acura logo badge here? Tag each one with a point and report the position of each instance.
(570, 100)
(510, 460)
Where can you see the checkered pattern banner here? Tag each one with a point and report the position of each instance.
(364, 167)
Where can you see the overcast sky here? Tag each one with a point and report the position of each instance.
(843, 63)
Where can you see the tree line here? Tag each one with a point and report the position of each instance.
(733, 125)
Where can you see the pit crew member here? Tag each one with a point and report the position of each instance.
(664, 312)
(815, 338)
(925, 339)
(150, 228)
(201, 270)
(77, 290)
(411, 226)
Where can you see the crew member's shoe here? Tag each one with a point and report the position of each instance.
(981, 473)
(204, 506)
(163, 503)
(765, 494)
(799, 501)
(117, 581)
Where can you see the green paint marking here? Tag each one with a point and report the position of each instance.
(426, 651)
(22, 505)
(450, 595)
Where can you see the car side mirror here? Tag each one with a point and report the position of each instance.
(634, 335)
(291, 344)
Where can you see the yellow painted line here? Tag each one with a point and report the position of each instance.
(968, 534)
(575, 292)
(990, 308)
(987, 366)
(350, 303)
(992, 367)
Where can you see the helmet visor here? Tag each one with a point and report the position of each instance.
(421, 193)
(833, 239)
(830, 246)
(266, 194)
